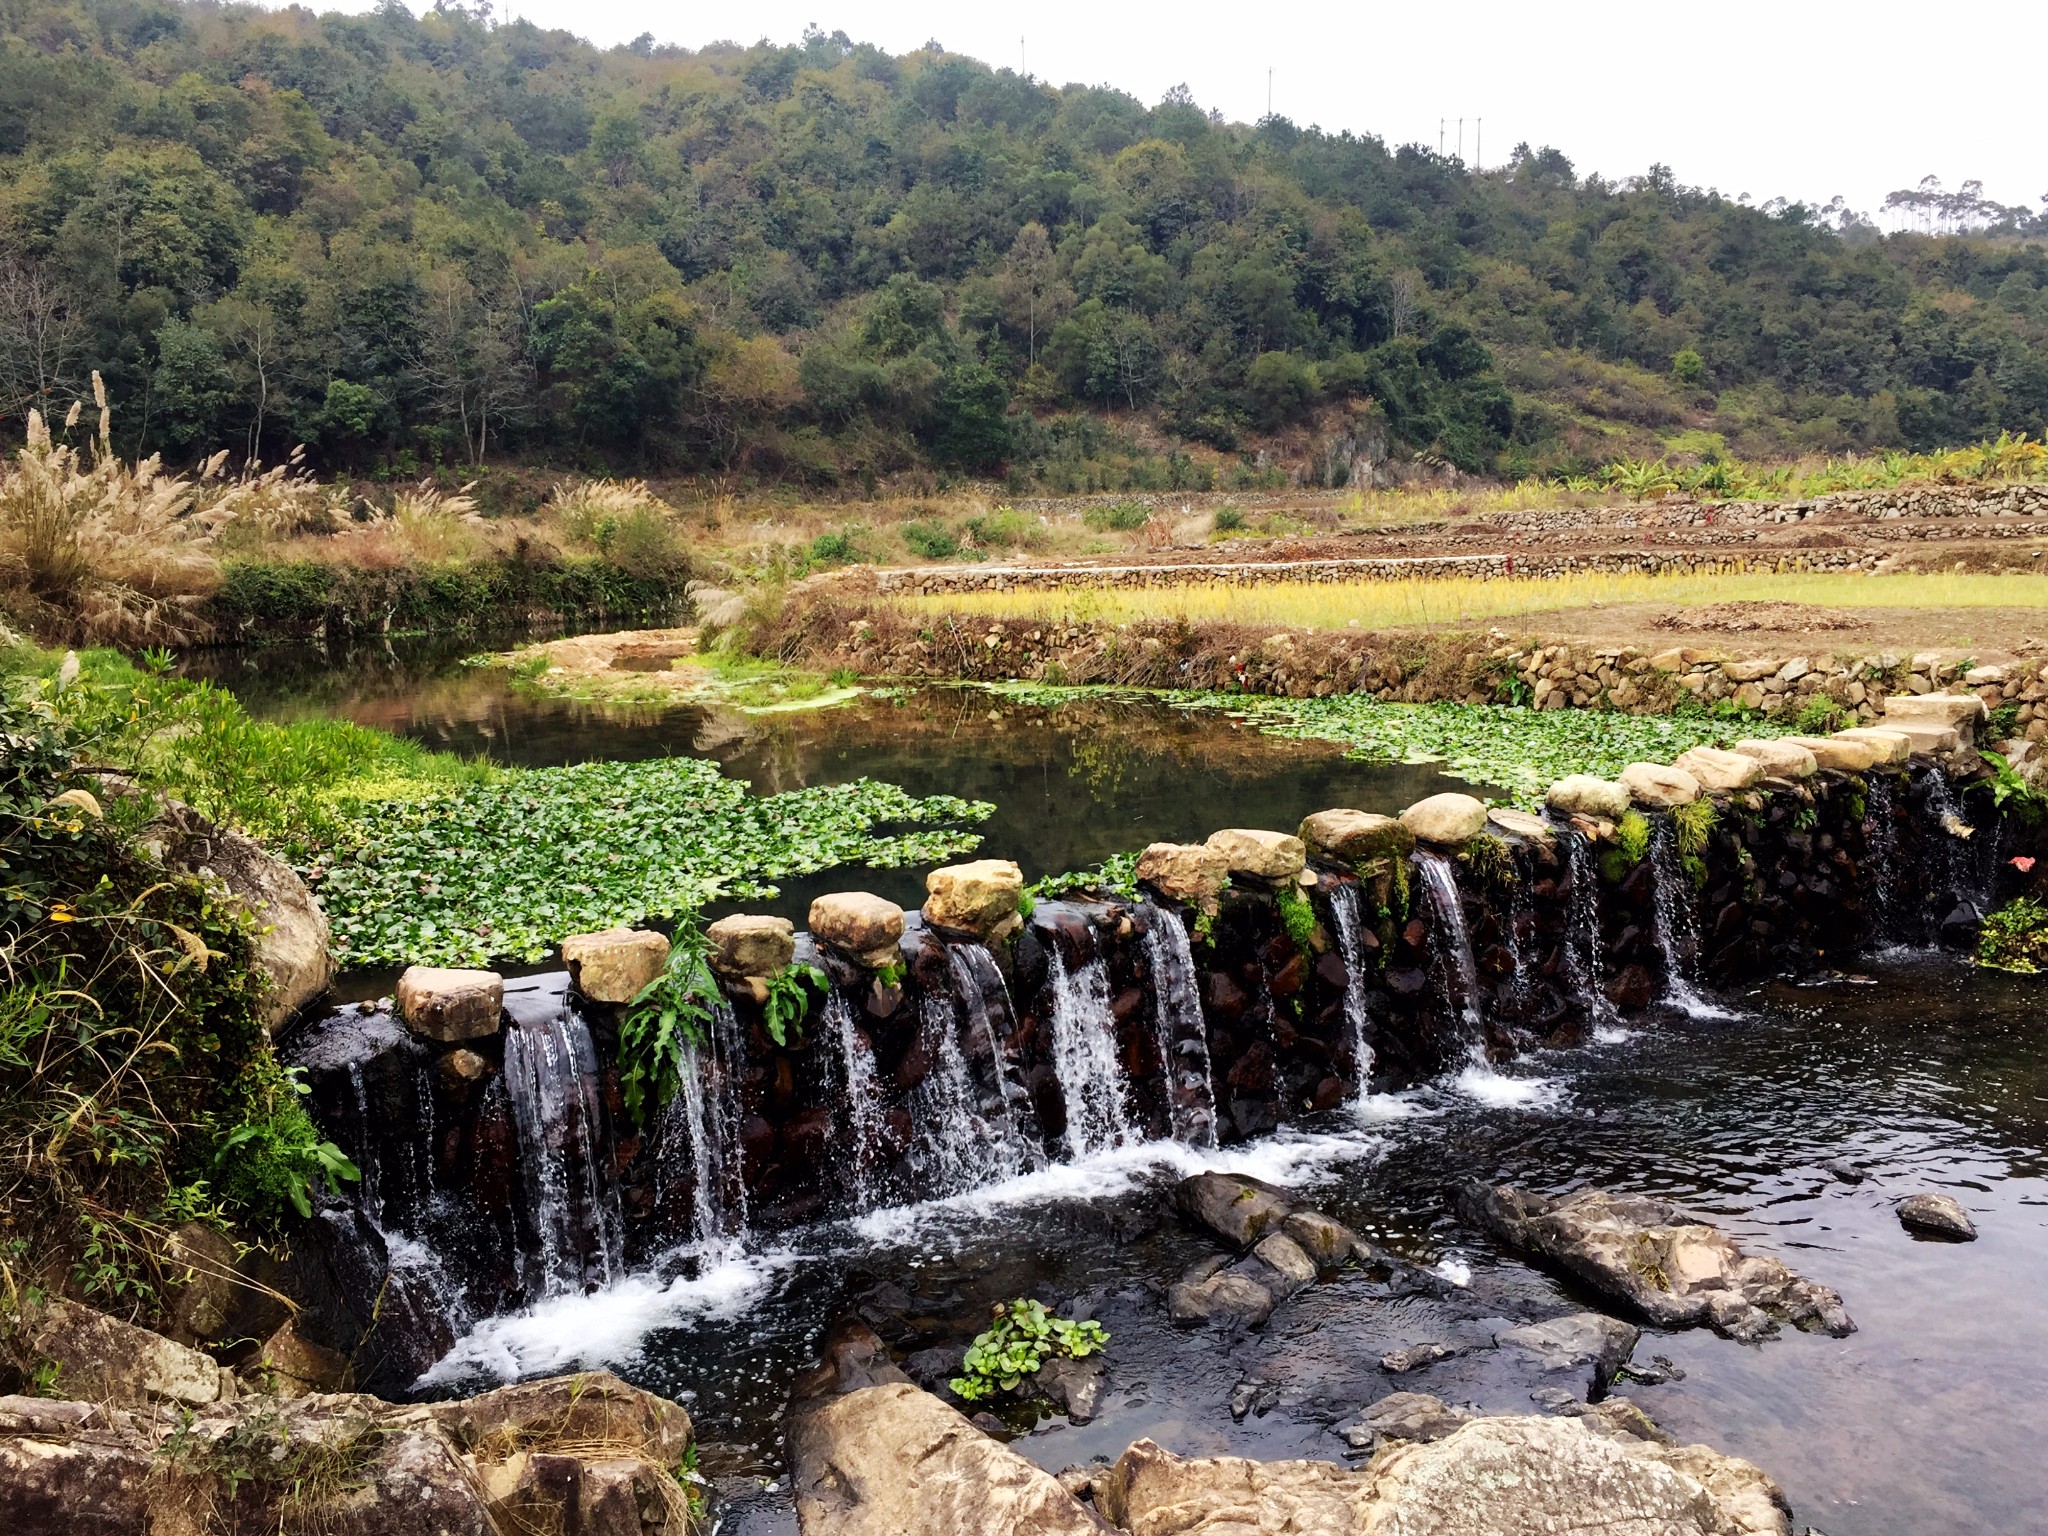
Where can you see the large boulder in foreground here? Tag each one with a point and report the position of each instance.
(583, 1455)
(616, 965)
(1669, 1267)
(1492, 1477)
(1355, 837)
(104, 1359)
(1447, 819)
(871, 1455)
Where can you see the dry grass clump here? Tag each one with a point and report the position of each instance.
(96, 548)
(261, 505)
(625, 522)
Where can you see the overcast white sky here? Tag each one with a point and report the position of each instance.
(1794, 98)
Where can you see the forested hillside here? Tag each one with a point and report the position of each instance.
(403, 241)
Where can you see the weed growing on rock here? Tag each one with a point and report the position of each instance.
(672, 1011)
(1021, 1339)
(2015, 937)
(1490, 860)
(789, 1000)
(1116, 875)
(1298, 916)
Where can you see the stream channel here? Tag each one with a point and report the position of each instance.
(1794, 1115)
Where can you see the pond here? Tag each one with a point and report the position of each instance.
(1072, 784)
(1797, 1121)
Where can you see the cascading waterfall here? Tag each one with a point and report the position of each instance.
(1881, 854)
(702, 1124)
(958, 1147)
(1942, 809)
(1453, 945)
(1183, 1034)
(1674, 927)
(1349, 922)
(862, 1102)
(1585, 972)
(977, 977)
(1085, 1058)
(551, 1074)
(417, 1288)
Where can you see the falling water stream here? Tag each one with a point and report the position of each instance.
(1085, 1057)
(1675, 928)
(551, 1074)
(862, 1104)
(1346, 917)
(704, 1117)
(1183, 1034)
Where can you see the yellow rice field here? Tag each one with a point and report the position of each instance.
(1453, 600)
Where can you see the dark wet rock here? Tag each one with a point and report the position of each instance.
(1415, 1357)
(1582, 1341)
(1072, 1386)
(1257, 1398)
(1617, 1416)
(1233, 1206)
(1504, 1476)
(1845, 1170)
(1937, 1216)
(1631, 988)
(933, 1368)
(1217, 1291)
(1671, 1268)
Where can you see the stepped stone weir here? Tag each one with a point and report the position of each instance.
(1254, 981)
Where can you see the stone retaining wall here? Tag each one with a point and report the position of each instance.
(1517, 565)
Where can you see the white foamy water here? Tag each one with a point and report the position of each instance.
(1457, 1271)
(606, 1327)
(1297, 1158)
(1483, 1082)
(1613, 1034)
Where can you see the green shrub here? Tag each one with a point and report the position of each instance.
(1228, 519)
(931, 540)
(1122, 517)
(837, 548)
(1820, 716)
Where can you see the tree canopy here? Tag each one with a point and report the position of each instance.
(439, 237)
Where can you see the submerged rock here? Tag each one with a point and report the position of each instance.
(1234, 1206)
(1520, 1476)
(1937, 1215)
(1669, 1267)
(1582, 1341)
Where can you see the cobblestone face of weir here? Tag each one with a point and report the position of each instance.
(502, 1173)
